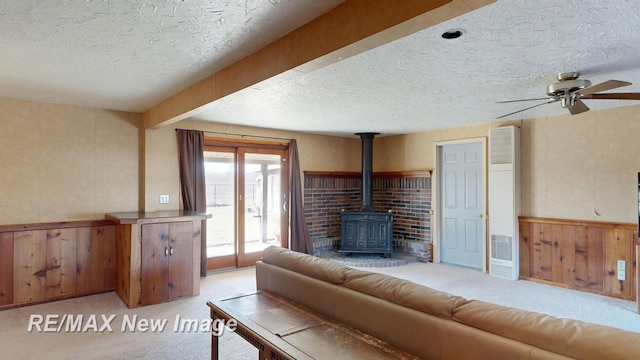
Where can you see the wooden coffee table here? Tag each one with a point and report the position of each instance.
(281, 329)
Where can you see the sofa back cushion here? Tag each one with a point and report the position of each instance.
(465, 342)
(410, 330)
(312, 293)
(572, 338)
(403, 292)
(315, 267)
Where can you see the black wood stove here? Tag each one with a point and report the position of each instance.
(366, 231)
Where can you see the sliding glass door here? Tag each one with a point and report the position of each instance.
(246, 195)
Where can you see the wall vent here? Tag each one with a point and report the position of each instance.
(502, 247)
(501, 143)
(504, 201)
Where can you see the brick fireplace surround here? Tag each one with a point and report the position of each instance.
(406, 194)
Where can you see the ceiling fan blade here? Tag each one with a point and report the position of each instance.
(530, 107)
(614, 96)
(607, 85)
(511, 101)
(578, 108)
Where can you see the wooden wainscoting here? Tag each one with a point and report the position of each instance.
(637, 246)
(51, 261)
(579, 254)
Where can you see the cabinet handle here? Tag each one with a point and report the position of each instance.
(171, 250)
(166, 251)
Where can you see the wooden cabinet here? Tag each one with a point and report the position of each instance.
(45, 262)
(158, 256)
(167, 261)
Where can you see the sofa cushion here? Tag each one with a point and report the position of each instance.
(465, 342)
(321, 269)
(317, 295)
(410, 330)
(403, 292)
(572, 338)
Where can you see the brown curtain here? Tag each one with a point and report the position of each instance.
(192, 182)
(299, 237)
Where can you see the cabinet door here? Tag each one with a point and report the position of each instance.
(167, 261)
(155, 264)
(180, 259)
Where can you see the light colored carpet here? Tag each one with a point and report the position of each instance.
(528, 295)
(17, 343)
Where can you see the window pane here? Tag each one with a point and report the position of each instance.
(219, 175)
(263, 201)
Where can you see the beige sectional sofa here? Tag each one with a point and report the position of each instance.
(432, 324)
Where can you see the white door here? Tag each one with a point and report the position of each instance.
(461, 204)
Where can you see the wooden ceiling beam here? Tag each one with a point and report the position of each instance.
(349, 29)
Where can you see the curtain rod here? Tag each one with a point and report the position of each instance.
(241, 135)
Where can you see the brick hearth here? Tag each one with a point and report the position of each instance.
(406, 194)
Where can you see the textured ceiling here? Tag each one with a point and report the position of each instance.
(129, 55)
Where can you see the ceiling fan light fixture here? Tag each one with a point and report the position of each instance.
(452, 34)
(568, 101)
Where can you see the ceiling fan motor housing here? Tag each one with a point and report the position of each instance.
(566, 87)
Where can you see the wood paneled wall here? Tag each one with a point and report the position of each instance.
(6, 268)
(44, 262)
(579, 254)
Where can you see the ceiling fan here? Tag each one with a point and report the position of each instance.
(570, 91)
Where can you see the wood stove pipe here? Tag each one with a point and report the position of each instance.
(367, 170)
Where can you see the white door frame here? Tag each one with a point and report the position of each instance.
(435, 191)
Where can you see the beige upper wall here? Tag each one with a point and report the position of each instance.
(416, 151)
(577, 166)
(316, 152)
(64, 163)
(572, 166)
